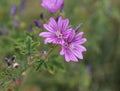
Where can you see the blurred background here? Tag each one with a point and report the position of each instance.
(100, 69)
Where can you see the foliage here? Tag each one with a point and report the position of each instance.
(99, 71)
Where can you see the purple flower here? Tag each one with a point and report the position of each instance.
(30, 28)
(72, 48)
(52, 5)
(13, 10)
(7, 62)
(22, 7)
(37, 23)
(57, 31)
(16, 24)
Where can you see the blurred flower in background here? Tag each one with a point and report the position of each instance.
(52, 5)
(22, 6)
(13, 10)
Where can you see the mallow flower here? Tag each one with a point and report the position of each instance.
(57, 31)
(52, 5)
(72, 48)
(13, 10)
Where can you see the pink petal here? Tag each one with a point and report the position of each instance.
(81, 48)
(69, 56)
(64, 25)
(53, 24)
(48, 40)
(58, 41)
(77, 53)
(62, 52)
(71, 36)
(67, 33)
(49, 28)
(46, 34)
(59, 23)
(79, 36)
(80, 41)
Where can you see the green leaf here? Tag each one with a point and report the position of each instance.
(46, 65)
(39, 64)
(58, 65)
(51, 69)
(35, 44)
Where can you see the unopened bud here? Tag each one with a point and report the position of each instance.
(44, 52)
(78, 27)
(13, 58)
(15, 65)
(41, 15)
(7, 62)
(37, 23)
(62, 8)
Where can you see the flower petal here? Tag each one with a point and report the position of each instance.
(49, 28)
(69, 56)
(53, 24)
(77, 53)
(46, 34)
(48, 40)
(81, 48)
(62, 52)
(67, 33)
(80, 41)
(71, 36)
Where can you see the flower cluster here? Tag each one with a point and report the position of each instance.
(60, 32)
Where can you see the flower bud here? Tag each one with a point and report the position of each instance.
(22, 7)
(15, 65)
(37, 23)
(13, 10)
(42, 15)
(44, 52)
(7, 62)
(13, 58)
(78, 27)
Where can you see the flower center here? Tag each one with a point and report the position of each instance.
(66, 45)
(59, 35)
(69, 45)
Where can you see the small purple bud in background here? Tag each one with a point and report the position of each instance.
(56, 19)
(13, 58)
(0, 81)
(78, 27)
(22, 6)
(3, 86)
(37, 23)
(13, 10)
(44, 52)
(16, 23)
(30, 28)
(88, 68)
(62, 8)
(42, 15)
(7, 62)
